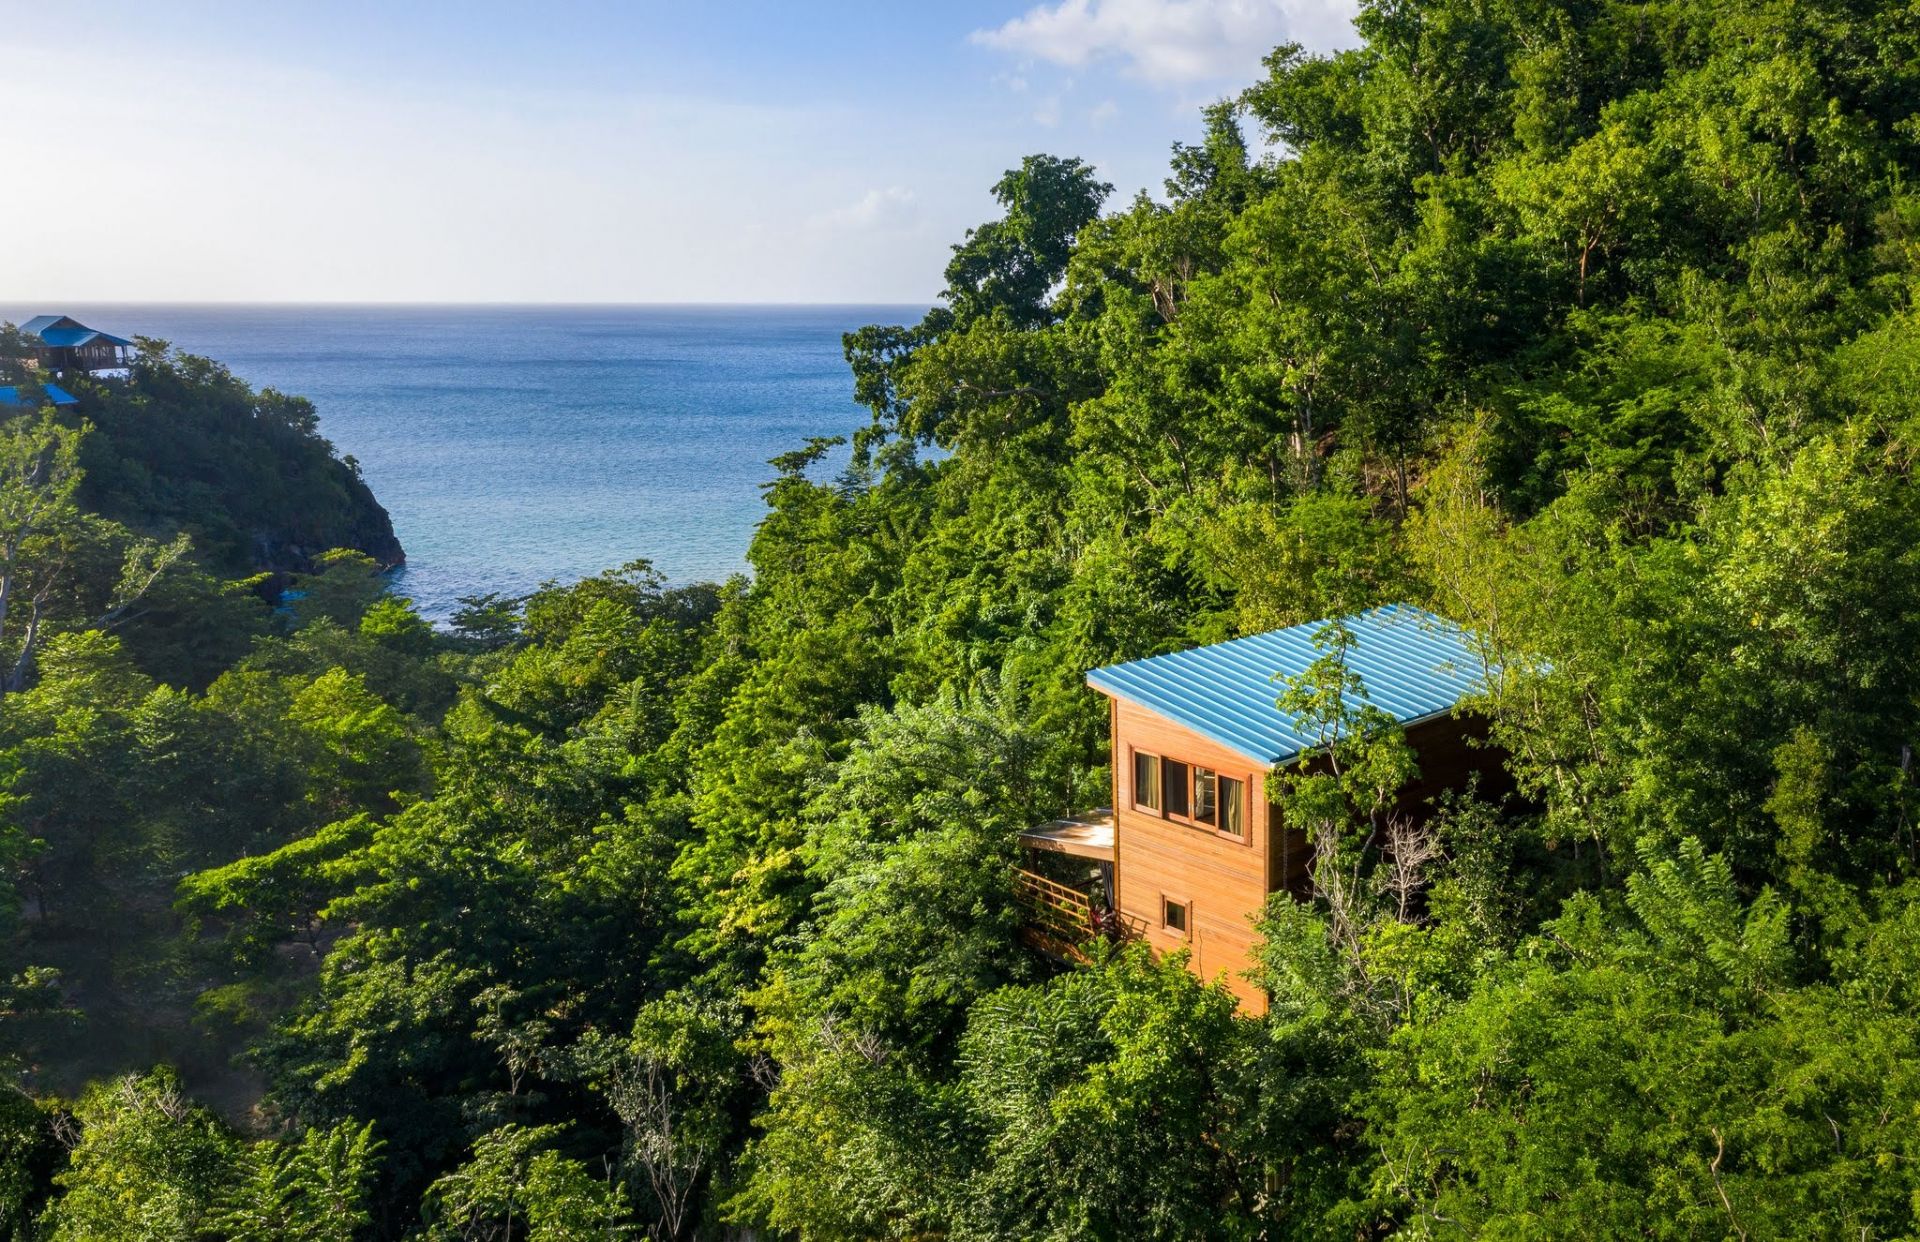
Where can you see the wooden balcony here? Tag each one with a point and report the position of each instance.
(1063, 921)
(1066, 886)
(1060, 920)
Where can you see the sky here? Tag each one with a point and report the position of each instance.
(577, 150)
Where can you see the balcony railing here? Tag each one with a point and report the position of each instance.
(1062, 920)
(1055, 907)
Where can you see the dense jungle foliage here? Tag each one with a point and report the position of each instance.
(630, 909)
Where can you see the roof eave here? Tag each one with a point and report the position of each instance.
(1264, 761)
(1270, 763)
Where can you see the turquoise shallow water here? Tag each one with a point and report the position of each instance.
(517, 444)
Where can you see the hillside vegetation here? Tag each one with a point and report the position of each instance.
(630, 909)
(187, 445)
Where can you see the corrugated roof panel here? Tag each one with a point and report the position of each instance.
(55, 395)
(62, 332)
(1411, 663)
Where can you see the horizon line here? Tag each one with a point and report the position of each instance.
(346, 302)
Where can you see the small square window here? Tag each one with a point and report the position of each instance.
(1173, 915)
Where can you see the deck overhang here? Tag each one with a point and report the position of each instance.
(1083, 836)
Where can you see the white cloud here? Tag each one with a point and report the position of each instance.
(1106, 111)
(1169, 42)
(892, 208)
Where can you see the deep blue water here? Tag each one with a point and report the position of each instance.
(518, 444)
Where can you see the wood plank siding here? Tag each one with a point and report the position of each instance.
(1221, 881)
(1216, 882)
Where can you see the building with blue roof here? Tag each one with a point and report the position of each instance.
(61, 344)
(50, 394)
(1412, 665)
(1192, 847)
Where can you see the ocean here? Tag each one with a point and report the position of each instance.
(519, 444)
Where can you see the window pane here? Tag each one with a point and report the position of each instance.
(1146, 780)
(1233, 806)
(1175, 916)
(1205, 794)
(1173, 779)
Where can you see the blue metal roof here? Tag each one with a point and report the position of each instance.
(55, 395)
(1412, 664)
(63, 333)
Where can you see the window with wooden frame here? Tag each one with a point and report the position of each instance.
(1176, 784)
(1206, 796)
(1200, 796)
(1175, 916)
(1146, 780)
(1233, 807)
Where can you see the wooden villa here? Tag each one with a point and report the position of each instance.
(1192, 848)
(61, 345)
